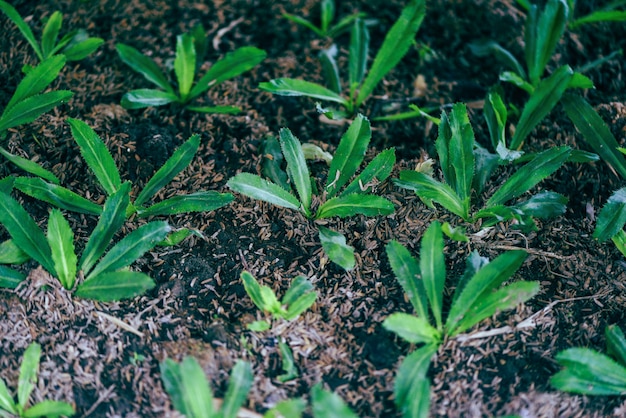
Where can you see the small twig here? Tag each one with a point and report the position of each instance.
(243, 260)
(220, 33)
(531, 251)
(119, 323)
(100, 399)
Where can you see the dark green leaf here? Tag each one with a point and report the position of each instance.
(335, 246)
(406, 269)
(188, 387)
(200, 43)
(61, 241)
(486, 48)
(300, 286)
(329, 68)
(600, 16)
(9, 279)
(239, 385)
(30, 166)
(327, 14)
(223, 110)
(141, 98)
(473, 263)
(205, 201)
(185, 64)
(56, 195)
(10, 253)
(433, 269)
(36, 80)
(297, 169)
(289, 365)
(616, 343)
(547, 31)
(32, 107)
(272, 162)
(22, 26)
(485, 165)
(612, 216)
(303, 22)
(328, 405)
(412, 386)
(516, 80)
(144, 66)
(28, 374)
(428, 188)
(376, 172)
(80, 50)
(115, 285)
(589, 372)
(495, 114)
(50, 33)
(543, 205)
(294, 87)
(255, 187)
(355, 204)
(359, 48)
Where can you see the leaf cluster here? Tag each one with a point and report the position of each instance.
(479, 294)
(326, 28)
(26, 383)
(190, 51)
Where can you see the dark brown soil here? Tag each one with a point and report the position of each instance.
(199, 306)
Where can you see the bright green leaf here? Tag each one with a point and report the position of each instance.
(335, 246)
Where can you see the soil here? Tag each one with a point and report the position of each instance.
(199, 306)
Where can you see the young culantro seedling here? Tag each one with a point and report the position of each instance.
(355, 199)
(327, 14)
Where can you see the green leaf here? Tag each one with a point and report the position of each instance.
(294, 87)
(9, 279)
(589, 372)
(375, 172)
(458, 137)
(546, 31)
(297, 169)
(289, 365)
(485, 164)
(355, 204)
(10, 253)
(359, 48)
(612, 216)
(412, 386)
(255, 187)
(292, 408)
(501, 300)
(56, 195)
(428, 188)
(188, 388)
(616, 343)
(253, 289)
(204, 201)
(141, 98)
(335, 246)
(516, 80)
(486, 48)
(223, 110)
(595, 131)
(406, 269)
(580, 81)
(28, 374)
(258, 326)
(30, 166)
(36, 80)
(111, 220)
(272, 161)
(454, 233)
(49, 409)
(61, 241)
(185, 64)
(599, 16)
(527, 176)
(349, 154)
(180, 159)
(300, 305)
(32, 107)
(413, 329)
(473, 264)
(433, 269)
(327, 14)
(25, 232)
(15, 17)
(489, 277)
(131, 247)
(495, 114)
(96, 155)
(543, 205)
(303, 22)
(81, 50)
(200, 43)
(396, 44)
(330, 69)
(239, 385)
(619, 240)
(115, 285)
(541, 102)
(299, 287)
(6, 400)
(144, 66)
(50, 33)
(328, 405)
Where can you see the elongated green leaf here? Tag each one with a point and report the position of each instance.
(49, 409)
(141, 98)
(6, 183)
(32, 107)
(255, 187)
(61, 241)
(115, 285)
(112, 218)
(185, 64)
(516, 80)
(473, 264)
(396, 44)
(486, 48)
(600, 16)
(239, 385)
(6, 400)
(612, 216)
(527, 176)
(30, 166)
(73, 36)
(303, 22)
(37, 80)
(28, 374)
(204, 201)
(144, 66)
(616, 343)
(531, 38)
(131, 247)
(10, 253)
(548, 31)
(200, 43)
(355, 204)
(272, 162)
(412, 386)
(96, 155)
(297, 169)
(9, 279)
(486, 163)
(289, 364)
(428, 188)
(595, 131)
(80, 50)
(15, 17)
(488, 278)
(224, 110)
(330, 69)
(589, 372)
(461, 151)
(495, 114)
(336, 248)
(619, 240)
(255, 291)
(50, 33)
(345, 23)
(376, 172)
(233, 64)
(406, 269)
(25, 232)
(433, 269)
(328, 404)
(545, 96)
(543, 205)
(359, 48)
(414, 329)
(180, 159)
(300, 305)
(293, 87)
(188, 387)
(501, 300)
(349, 154)
(56, 195)
(298, 288)
(327, 14)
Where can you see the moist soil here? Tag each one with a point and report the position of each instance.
(104, 357)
